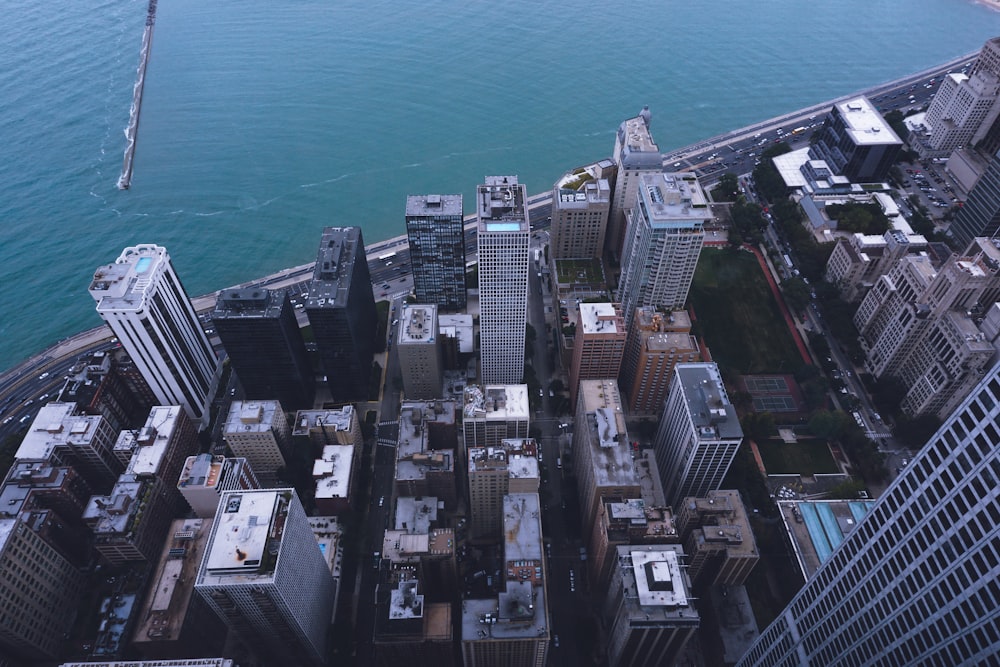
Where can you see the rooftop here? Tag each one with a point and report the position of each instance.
(202, 470)
(673, 199)
(251, 416)
(712, 415)
(418, 325)
(501, 205)
(112, 515)
(404, 602)
(522, 527)
(865, 124)
(606, 435)
(153, 440)
(658, 579)
(601, 318)
(124, 285)
(339, 419)
(25, 476)
(458, 326)
(638, 150)
(332, 471)
(251, 302)
(518, 456)
(329, 535)
(246, 538)
(518, 613)
(55, 425)
(816, 528)
(431, 205)
(497, 402)
(414, 457)
(400, 546)
(416, 515)
(586, 193)
(334, 267)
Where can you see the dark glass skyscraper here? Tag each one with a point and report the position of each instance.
(341, 310)
(259, 331)
(437, 249)
(980, 216)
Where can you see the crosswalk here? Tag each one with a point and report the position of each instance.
(388, 433)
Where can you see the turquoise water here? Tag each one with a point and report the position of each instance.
(263, 122)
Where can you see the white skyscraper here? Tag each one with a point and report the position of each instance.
(264, 575)
(144, 303)
(917, 582)
(635, 153)
(666, 229)
(503, 235)
(699, 433)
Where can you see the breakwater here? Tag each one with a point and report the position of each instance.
(131, 130)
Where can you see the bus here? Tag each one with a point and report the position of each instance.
(386, 257)
(799, 130)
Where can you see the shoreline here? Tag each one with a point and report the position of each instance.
(80, 340)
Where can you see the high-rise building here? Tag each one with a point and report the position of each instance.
(957, 113)
(980, 215)
(320, 428)
(635, 154)
(699, 433)
(408, 629)
(918, 578)
(494, 414)
(598, 346)
(106, 384)
(860, 259)
(656, 343)
(258, 432)
(144, 303)
(259, 330)
(493, 473)
(666, 229)
(426, 451)
(856, 142)
(503, 235)
(580, 208)
(437, 249)
(39, 591)
(987, 137)
(420, 352)
(620, 522)
(264, 575)
(649, 611)
(341, 310)
(205, 477)
(916, 323)
(334, 473)
(601, 448)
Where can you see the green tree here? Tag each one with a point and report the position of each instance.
(728, 188)
(797, 294)
(758, 425)
(825, 424)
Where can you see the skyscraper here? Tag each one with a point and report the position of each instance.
(580, 217)
(635, 154)
(666, 230)
(258, 432)
(656, 343)
(341, 310)
(420, 352)
(699, 433)
(144, 303)
(980, 216)
(437, 249)
(856, 142)
(503, 233)
(259, 330)
(265, 577)
(918, 579)
(599, 345)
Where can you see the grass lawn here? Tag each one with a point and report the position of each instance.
(580, 271)
(806, 457)
(738, 316)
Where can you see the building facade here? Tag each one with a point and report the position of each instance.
(143, 301)
(493, 473)
(663, 240)
(420, 352)
(635, 153)
(579, 218)
(341, 310)
(698, 435)
(436, 237)
(258, 432)
(493, 414)
(656, 343)
(261, 335)
(598, 346)
(263, 574)
(718, 539)
(503, 235)
(980, 215)
(916, 581)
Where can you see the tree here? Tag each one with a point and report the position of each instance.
(728, 188)
(758, 425)
(825, 424)
(797, 294)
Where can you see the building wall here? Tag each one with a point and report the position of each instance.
(579, 220)
(437, 249)
(915, 582)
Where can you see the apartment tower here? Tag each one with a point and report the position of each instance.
(143, 301)
(437, 249)
(579, 217)
(599, 344)
(635, 154)
(503, 236)
(656, 343)
(419, 352)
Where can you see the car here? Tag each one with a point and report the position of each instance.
(555, 641)
(395, 322)
(9, 419)
(43, 375)
(381, 501)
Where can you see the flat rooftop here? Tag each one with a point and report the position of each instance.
(154, 439)
(433, 205)
(497, 402)
(673, 199)
(329, 535)
(124, 285)
(459, 327)
(110, 515)
(601, 318)
(520, 612)
(658, 579)
(817, 527)
(165, 608)
(638, 150)
(310, 421)
(247, 525)
(251, 416)
(414, 457)
(55, 425)
(332, 471)
(418, 325)
(713, 416)
(416, 515)
(202, 470)
(501, 206)
(248, 303)
(664, 342)
(331, 280)
(865, 124)
(522, 527)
